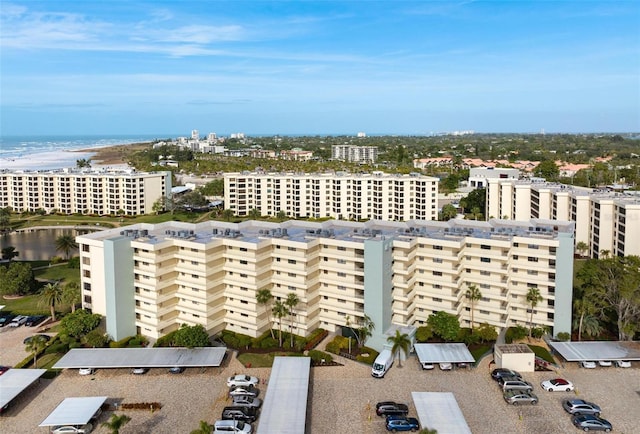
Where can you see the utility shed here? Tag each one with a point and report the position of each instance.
(440, 411)
(15, 381)
(74, 411)
(518, 357)
(284, 410)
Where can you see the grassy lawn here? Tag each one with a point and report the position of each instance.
(59, 272)
(27, 305)
(261, 360)
(542, 352)
(479, 351)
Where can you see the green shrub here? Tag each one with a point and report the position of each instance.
(336, 344)
(318, 356)
(424, 333)
(75, 344)
(486, 332)
(515, 333)
(61, 348)
(122, 343)
(537, 332)
(268, 342)
(563, 336)
(56, 260)
(369, 358)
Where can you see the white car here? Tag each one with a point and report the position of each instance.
(139, 371)
(427, 366)
(557, 385)
(242, 380)
(232, 426)
(605, 363)
(72, 429)
(86, 371)
(623, 363)
(588, 365)
(446, 366)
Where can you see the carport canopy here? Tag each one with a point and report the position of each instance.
(440, 411)
(600, 350)
(15, 381)
(443, 353)
(142, 357)
(74, 411)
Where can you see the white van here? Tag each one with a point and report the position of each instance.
(382, 364)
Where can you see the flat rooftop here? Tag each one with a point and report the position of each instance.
(600, 350)
(440, 411)
(14, 381)
(514, 348)
(443, 353)
(74, 411)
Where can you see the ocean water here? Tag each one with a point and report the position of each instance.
(54, 152)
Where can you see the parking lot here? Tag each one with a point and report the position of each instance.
(342, 398)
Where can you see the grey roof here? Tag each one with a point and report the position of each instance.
(74, 411)
(600, 350)
(440, 411)
(284, 410)
(437, 353)
(14, 381)
(141, 357)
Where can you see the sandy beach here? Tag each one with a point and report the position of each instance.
(111, 156)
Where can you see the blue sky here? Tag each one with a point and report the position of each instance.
(318, 67)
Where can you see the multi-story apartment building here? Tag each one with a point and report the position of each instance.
(150, 279)
(83, 191)
(354, 154)
(604, 220)
(478, 176)
(337, 195)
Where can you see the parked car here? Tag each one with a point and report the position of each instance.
(497, 373)
(589, 422)
(18, 321)
(245, 414)
(517, 385)
(176, 370)
(28, 339)
(516, 397)
(244, 391)
(588, 365)
(389, 408)
(557, 385)
(623, 363)
(86, 371)
(6, 319)
(34, 320)
(402, 423)
(242, 380)
(579, 407)
(246, 401)
(605, 363)
(445, 366)
(234, 426)
(427, 366)
(505, 378)
(4, 369)
(139, 371)
(72, 429)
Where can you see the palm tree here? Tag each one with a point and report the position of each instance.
(291, 302)
(66, 243)
(35, 345)
(400, 342)
(9, 253)
(591, 326)
(280, 310)
(227, 214)
(71, 294)
(116, 423)
(264, 297)
(581, 247)
(204, 428)
(473, 294)
(584, 308)
(51, 296)
(254, 214)
(533, 298)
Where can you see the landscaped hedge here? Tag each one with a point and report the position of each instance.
(315, 338)
(319, 356)
(369, 358)
(338, 343)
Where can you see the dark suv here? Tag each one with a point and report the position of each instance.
(245, 414)
(389, 408)
(498, 373)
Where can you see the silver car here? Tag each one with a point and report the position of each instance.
(517, 385)
(246, 401)
(516, 397)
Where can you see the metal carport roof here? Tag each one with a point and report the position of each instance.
(284, 410)
(74, 411)
(14, 381)
(447, 353)
(600, 350)
(440, 411)
(141, 357)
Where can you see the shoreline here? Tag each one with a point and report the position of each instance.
(114, 154)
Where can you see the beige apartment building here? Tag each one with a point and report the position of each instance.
(69, 191)
(354, 154)
(339, 195)
(150, 279)
(605, 221)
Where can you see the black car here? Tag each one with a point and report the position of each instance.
(34, 320)
(498, 373)
(6, 319)
(245, 414)
(389, 408)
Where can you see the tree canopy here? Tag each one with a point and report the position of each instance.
(79, 323)
(445, 325)
(17, 279)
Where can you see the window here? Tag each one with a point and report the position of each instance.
(437, 260)
(485, 260)
(485, 273)
(437, 300)
(532, 259)
(437, 273)
(437, 247)
(291, 261)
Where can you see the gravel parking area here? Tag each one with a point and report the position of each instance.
(342, 398)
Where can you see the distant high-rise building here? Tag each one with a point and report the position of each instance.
(195, 134)
(354, 154)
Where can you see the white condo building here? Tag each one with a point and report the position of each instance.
(338, 195)
(150, 279)
(70, 191)
(604, 221)
(354, 154)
